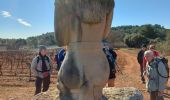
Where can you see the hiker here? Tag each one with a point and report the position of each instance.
(41, 67)
(111, 57)
(140, 58)
(156, 54)
(59, 57)
(152, 48)
(155, 69)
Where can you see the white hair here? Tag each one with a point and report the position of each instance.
(149, 53)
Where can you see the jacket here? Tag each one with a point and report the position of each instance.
(59, 57)
(140, 56)
(155, 81)
(36, 66)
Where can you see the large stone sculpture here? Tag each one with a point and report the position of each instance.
(81, 25)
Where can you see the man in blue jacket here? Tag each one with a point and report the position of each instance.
(59, 57)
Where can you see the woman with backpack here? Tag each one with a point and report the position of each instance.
(155, 69)
(41, 67)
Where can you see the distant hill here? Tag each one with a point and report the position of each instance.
(132, 36)
(44, 39)
(135, 36)
(31, 42)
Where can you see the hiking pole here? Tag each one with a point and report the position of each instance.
(118, 68)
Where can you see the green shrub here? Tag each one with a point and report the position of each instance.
(135, 40)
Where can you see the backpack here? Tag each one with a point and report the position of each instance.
(111, 57)
(59, 57)
(165, 62)
(38, 59)
(140, 56)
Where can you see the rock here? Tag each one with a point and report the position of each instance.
(77, 22)
(127, 93)
(52, 94)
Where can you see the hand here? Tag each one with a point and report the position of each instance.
(45, 74)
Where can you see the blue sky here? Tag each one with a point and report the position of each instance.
(24, 18)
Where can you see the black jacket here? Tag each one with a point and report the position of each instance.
(140, 56)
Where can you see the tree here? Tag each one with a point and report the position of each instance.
(148, 31)
(135, 40)
(32, 42)
(19, 43)
(153, 31)
(114, 36)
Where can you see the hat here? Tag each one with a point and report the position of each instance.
(42, 47)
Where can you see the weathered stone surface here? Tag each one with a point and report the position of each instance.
(81, 25)
(128, 93)
(52, 94)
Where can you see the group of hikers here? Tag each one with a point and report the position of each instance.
(151, 65)
(41, 66)
(156, 69)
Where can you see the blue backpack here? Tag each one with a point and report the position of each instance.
(59, 57)
(111, 57)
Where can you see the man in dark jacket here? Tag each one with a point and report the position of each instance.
(59, 57)
(111, 57)
(140, 57)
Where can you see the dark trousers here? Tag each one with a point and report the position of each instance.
(154, 95)
(141, 71)
(38, 84)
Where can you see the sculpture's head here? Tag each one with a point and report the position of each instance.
(93, 11)
(70, 14)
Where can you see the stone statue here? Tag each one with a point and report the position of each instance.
(81, 25)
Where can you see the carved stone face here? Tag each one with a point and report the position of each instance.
(93, 11)
(73, 19)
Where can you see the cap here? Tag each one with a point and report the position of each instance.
(42, 47)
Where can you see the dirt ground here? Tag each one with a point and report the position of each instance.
(131, 73)
(19, 87)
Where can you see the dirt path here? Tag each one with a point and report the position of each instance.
(18, 88)
(131, 73)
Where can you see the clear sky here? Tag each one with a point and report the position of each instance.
(24, 18)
